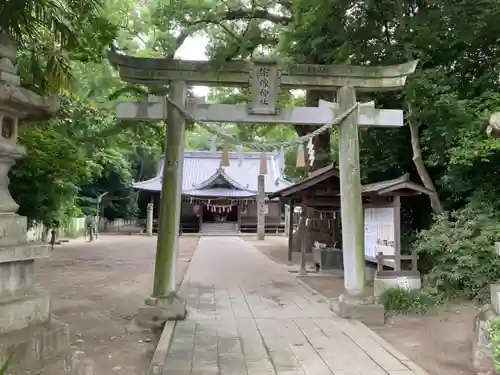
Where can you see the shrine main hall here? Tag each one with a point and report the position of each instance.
(223, 198)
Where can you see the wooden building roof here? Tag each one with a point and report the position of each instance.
(322, 188)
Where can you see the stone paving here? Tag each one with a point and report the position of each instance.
(248, 316)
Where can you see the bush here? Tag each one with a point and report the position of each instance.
(460, 253)
(404, 301)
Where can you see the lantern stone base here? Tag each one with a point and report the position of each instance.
(35, 347)
(21, 304)
(156, 311)
(364, 309)
(26, 327)
(19, 312)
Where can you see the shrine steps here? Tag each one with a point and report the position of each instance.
(219, 229)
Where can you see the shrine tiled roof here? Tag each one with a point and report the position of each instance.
(202, 169)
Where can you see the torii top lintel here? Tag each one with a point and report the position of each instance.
(237, 73)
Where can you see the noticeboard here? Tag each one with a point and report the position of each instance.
(379, 231)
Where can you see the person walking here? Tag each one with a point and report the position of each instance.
(90, 226)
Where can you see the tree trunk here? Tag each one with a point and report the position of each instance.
(436, 205)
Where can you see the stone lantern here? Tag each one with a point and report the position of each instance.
(25, 312)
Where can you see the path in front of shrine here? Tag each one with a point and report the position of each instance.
(248, 316)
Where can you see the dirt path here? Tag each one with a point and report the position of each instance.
(439, 343)
(97, 287)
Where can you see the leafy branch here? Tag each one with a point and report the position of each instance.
(191, 26)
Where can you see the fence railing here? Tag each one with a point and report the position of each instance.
(119, 224)
(39, 232)
(76, 228)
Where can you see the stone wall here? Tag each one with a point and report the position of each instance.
(482, 359)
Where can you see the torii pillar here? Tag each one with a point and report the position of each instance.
(164, 303)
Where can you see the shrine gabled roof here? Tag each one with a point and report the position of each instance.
(202, 168)
(396, 186)
(219, 175)
(314, 178)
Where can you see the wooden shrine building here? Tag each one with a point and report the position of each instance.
(217, 199)
(319, 194)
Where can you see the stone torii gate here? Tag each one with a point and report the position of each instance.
(265, 79)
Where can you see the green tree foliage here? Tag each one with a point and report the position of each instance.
(50, 34)
(69, 163)
(114, 177)
(84, 151)
(45, 183)
(457, 255)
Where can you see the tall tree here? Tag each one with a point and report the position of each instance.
(52, 33)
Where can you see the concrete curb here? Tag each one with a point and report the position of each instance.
(160, 355)
(161, 350)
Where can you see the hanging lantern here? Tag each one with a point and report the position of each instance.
(301, 160)
(224, 161)
(263, 163)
